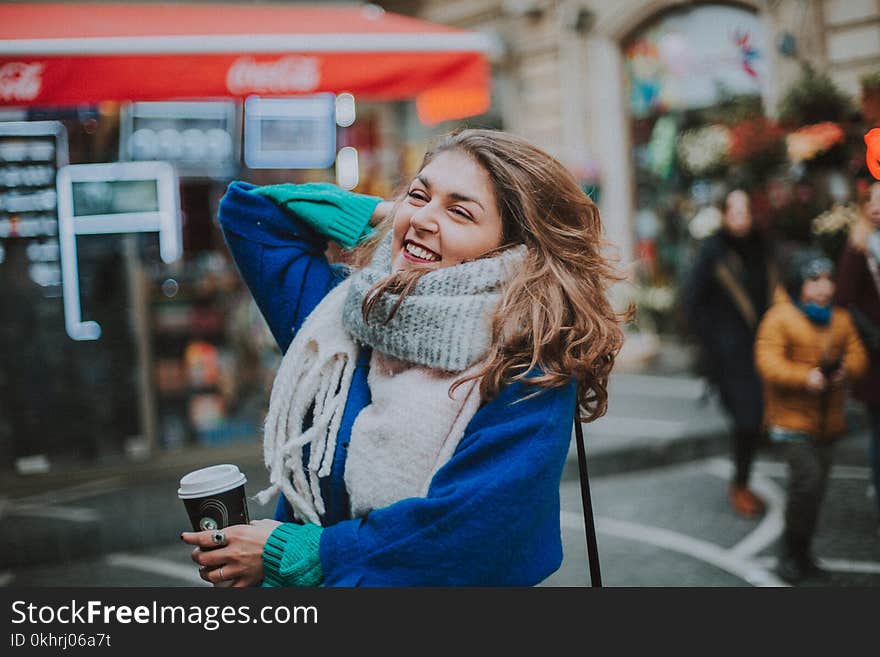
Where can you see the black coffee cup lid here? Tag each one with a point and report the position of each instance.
(210, 481)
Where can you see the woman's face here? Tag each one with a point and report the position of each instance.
(737, 214)
(872, 205)
(449, 215)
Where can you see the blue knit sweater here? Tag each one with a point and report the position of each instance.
(491, 514)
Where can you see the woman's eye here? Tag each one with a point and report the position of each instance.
(462, 213)
(416, 194)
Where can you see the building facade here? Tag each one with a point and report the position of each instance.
(568, 74)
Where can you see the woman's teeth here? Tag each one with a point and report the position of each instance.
(420, 253)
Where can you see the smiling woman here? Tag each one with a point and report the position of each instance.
(449, 215)
(421, 415)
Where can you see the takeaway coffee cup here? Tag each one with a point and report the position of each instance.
(214, 497)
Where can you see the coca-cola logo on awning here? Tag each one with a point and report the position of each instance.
(288, 74)
(20, 81)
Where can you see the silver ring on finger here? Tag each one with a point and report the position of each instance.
(218, 537)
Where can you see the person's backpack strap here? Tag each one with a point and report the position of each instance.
(589, 525)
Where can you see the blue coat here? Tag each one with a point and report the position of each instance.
(491, 513)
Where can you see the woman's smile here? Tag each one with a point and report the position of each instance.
(415, 252)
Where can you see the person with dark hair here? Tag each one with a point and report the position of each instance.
(422, 413)
(731, 285)
(806, 351)
(858, 290)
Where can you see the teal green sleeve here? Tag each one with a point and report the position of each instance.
(290, 556)
(340, 215)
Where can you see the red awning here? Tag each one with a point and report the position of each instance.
(69, 54)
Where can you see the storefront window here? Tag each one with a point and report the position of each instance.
(686, 71)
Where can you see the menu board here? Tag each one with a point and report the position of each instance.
(31, 153)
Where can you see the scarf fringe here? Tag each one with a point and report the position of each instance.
(305, 367)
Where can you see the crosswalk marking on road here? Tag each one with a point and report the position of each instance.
(742, 559)
(704, 551)
(836, 565)
(739, 560)
(773, 522)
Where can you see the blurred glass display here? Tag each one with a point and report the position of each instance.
(200, 138)
(115, 197)
(290, 133)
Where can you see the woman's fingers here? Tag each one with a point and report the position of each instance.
(211, 558)
(222, 574)
(218, 574)
(237, 551)
(230, 574)
(209, 538)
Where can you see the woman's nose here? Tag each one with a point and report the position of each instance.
(424, 219)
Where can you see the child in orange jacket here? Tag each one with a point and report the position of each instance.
(806, 351)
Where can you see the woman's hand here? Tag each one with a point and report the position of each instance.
(240, 557)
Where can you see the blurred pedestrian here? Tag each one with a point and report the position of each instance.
(858, 290)
(422, 413)
(730, 287)
(806, 352)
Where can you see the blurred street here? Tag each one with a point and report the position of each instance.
(659, 474)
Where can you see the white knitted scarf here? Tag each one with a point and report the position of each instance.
(412, 425)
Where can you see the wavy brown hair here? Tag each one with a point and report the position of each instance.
(555, 320)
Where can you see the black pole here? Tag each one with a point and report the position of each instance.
(589, 525)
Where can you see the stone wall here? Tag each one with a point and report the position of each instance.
(852, 40)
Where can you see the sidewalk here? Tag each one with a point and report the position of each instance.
(658, 414)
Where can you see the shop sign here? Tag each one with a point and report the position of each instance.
(117, 197)
(201, 138)
(291, 74)
(290, 133)
(20, 81)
